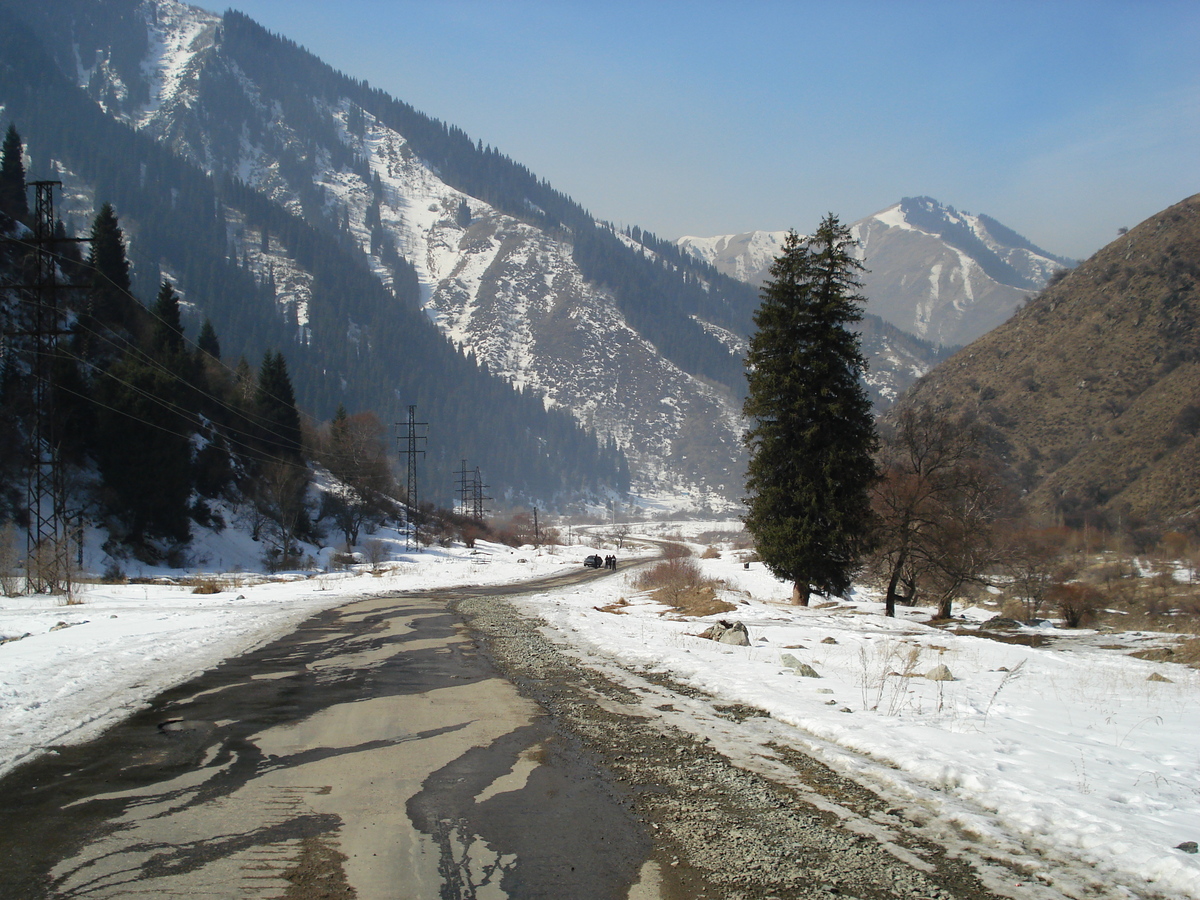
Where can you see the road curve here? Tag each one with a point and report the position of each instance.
(371, 753)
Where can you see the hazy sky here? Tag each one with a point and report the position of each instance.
(1063, 120)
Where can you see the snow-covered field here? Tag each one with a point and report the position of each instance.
(1075, 754)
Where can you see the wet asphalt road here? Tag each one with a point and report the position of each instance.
(372, 753)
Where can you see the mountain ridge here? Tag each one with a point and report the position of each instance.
(944, 276)
(1090, 394)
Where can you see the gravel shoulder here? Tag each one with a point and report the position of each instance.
(781, 826)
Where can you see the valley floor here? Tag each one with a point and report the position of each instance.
(1071, 762)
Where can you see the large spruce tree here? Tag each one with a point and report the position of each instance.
(14, 201)
(812, 434)
(275, 405)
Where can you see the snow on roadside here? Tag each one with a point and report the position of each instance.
(1073, 750)
(69, 672)
(1067, 752)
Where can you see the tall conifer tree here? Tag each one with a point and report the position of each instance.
(14, 200)
(275, 403)
(112, 302)
(812, 434)
(168, 324)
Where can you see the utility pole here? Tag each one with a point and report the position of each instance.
(478, 511)
(47, 553)
(466, 490)
(412, 536)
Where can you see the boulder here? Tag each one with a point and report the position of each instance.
(1000, 623)
(939, 673)
(803, 669)
(725, 632)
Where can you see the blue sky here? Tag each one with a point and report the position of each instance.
(1063, 120)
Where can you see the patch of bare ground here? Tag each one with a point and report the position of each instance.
(318, 873)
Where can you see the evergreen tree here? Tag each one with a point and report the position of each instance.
(143, 450)
(14, 201)
(275, 403)
(208, 341)
(812, 435)
(112, 303)
(168, 326)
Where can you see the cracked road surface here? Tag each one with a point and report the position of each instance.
(434, 745)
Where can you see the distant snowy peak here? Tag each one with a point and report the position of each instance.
(943, 275)
(1005, 255)
(747, 256)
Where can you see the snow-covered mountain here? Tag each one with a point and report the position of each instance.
(639, 341)
(500, 257)
(946, 276)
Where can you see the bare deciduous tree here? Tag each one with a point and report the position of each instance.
(281, 495)
(1035, 562)
(938, 502)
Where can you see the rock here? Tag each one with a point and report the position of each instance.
(939, 673)
(1188, 847)
(728, 633)
(1156, 677)
(829, 640)
(1000, 623)
(802, 669)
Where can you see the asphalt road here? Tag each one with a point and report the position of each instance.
(375, 752)
(438, 746)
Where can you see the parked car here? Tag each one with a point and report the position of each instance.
(593, 562)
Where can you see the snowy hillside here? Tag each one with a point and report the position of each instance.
(945, 276)
(498, 286)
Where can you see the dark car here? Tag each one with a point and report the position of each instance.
(593, 562)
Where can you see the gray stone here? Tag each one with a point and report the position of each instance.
(802, 669)
(724, 632)
(1000, 623)
(939, 673)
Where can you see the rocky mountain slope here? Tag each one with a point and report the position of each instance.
(637, 340)
(1091, 393)
(946, 276)
(638, 343)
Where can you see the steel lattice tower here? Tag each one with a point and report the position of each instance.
(412, 536)
(47, 551)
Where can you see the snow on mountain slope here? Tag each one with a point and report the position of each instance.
(501, 289)
(747, 257)
(940, 274)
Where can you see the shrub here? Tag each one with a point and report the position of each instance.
(1076, 602)
(678, 582)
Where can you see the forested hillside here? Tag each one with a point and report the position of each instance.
(354, 341)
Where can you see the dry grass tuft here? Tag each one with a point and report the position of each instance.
(677, 582)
